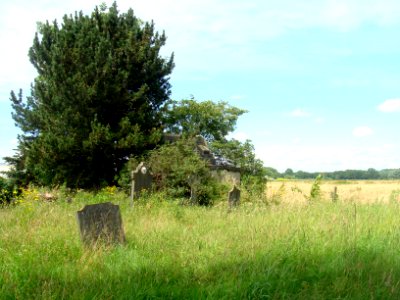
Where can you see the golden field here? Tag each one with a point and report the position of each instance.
(360, 191)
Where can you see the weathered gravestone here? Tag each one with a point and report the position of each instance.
(194, 182)
(234, 197)
(141, 180)
(101, 223)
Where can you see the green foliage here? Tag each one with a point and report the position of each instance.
(253, 175)
(386, 174)
(177, 167)
(289, 174)
(315, 192)
(271, 173)
(253, 189)
(390, 174)
(395, 196)
(213, 121)
(242, 154)
(6, 191)
(96, 100)
(124, 179)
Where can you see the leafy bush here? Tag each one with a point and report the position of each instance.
(252, 171)
(124, 177)
(394, 196)
(253, 188)
(176, 168)
(6, 191)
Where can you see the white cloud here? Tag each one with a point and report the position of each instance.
(17, 33)
(299, 113)
(390, 105)
(208, 37)
(205, 34)
(362, 131)
(296, 140)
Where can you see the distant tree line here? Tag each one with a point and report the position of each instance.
(336, 175)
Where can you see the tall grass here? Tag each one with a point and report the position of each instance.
(322, 250)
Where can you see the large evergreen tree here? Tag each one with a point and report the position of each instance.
(96, 100)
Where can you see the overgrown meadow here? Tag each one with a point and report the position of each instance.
(348, 249)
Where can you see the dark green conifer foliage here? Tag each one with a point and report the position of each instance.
(96, 100)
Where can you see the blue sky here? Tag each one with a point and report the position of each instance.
(320, 78)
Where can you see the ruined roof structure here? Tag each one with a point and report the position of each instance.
(215, 161)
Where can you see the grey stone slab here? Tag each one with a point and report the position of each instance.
(101, 223)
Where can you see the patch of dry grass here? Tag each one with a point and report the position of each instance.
(361, 191)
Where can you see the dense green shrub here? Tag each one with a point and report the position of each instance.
(252, 171)
(124, 177)
(176, 168)
(6, 191)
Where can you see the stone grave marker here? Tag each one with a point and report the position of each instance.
(101, 223)
(234, 197)
(141, 180)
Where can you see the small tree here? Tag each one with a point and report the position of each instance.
(315, 192)
(289, 173)
(178, 167)
(271, 173)
(213, 121)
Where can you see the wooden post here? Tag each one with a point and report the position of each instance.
(334, 195)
